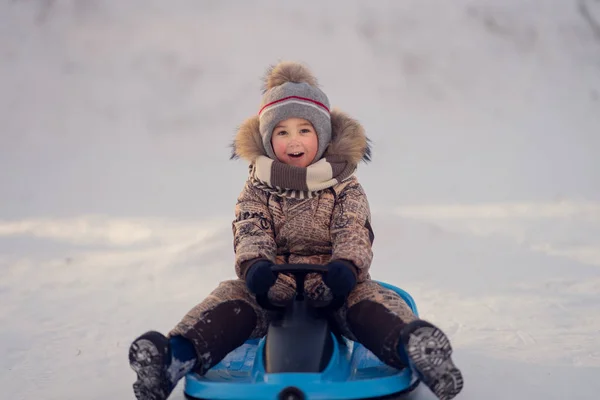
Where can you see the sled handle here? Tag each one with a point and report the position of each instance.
(308, 268)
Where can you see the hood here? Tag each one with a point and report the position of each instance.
(348, 140)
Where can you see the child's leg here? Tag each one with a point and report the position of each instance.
(206, 334)
(221, 323)
(382, 321)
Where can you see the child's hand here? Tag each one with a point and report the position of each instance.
(340, 278)
(260, 278)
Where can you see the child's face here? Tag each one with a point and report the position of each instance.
(295, 142)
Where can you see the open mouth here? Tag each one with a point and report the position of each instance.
(296, 155)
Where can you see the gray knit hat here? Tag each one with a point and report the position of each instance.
(291, 92)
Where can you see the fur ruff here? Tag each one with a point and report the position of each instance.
(348, 140)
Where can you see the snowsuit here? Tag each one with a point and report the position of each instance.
(334, 225)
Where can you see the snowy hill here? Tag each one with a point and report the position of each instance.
(116, 190)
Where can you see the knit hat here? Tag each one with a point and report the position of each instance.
(291, 92)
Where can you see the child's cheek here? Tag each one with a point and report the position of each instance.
(278, 148)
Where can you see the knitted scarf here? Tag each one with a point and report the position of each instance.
(296, 182)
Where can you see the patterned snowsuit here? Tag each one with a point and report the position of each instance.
(334, 225)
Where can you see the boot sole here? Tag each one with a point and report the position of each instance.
(147, 362)
(430, 351)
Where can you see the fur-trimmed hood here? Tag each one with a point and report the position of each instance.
(348, 138)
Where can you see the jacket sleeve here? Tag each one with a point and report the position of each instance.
(253, 233)
(351, 233)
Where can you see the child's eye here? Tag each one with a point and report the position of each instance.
(281, 133)
(305, 130)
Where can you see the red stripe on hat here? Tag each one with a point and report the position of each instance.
(323, 106)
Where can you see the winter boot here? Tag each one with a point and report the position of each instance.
(159, 363)
(428, 352)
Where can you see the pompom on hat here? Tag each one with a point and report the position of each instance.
(291, 91)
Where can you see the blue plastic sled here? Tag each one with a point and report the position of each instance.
(350, 371)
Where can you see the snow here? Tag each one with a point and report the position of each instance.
(117, 193)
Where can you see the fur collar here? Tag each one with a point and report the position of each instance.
(348, 140)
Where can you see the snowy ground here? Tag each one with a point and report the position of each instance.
(116, 192)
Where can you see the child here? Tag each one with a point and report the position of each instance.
(300, 204)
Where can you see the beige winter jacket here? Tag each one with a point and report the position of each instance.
(335, 225)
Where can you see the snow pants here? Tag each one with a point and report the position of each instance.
(372, 315)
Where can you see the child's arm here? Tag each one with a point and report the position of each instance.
(351, 232)
(253, 236)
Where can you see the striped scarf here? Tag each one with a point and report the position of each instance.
(296, 182)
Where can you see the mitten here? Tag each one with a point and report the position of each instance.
(260, 278)
(340, 278)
